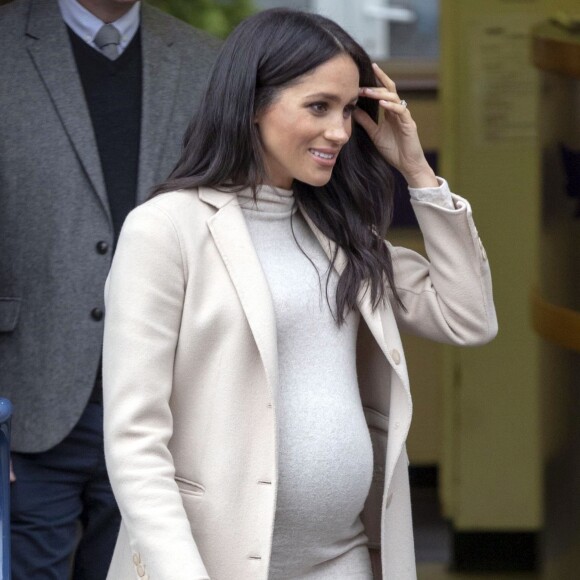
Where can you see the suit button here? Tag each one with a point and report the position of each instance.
(140, 571)
(396, 356)
(136, 559)
(97, 314)
(389, 500)
(102, 247)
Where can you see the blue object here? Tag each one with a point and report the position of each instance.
(5, 414)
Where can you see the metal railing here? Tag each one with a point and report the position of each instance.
(5, 414)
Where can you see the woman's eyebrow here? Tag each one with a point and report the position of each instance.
(330, 97)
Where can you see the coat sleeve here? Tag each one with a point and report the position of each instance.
(144, 301)
(448, 297)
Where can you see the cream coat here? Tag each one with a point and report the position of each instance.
(190, 366)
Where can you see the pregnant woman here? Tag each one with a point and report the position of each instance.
(256, 395)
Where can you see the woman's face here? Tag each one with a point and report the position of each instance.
(305, 127)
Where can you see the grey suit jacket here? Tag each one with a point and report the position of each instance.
(53, 203)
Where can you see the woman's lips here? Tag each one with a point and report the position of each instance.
(324, 157)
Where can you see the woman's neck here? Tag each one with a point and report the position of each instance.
(268, 199)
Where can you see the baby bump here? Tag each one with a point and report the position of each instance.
(325, 469)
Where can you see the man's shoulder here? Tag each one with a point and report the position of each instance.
(183, 34)
(13, 17)
(15, 8)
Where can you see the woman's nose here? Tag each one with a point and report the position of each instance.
(339, 132)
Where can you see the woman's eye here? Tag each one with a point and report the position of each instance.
(319, 107)
(348, 111)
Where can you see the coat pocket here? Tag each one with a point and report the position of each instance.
(188, 487)
(9, 313)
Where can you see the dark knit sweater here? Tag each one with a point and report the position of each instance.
(113, 93)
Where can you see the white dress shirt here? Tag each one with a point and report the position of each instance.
(86, 25)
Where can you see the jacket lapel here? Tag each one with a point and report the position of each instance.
(161, 64)
(231, 236)
(49, 47)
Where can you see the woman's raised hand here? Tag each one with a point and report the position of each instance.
(396, 137)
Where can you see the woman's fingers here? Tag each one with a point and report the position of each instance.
(400, 108)
(384, 78)
(386, 95)
(379, 93)
(387, 101)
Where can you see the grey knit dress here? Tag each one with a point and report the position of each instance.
(325, 454)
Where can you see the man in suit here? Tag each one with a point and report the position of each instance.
(92, 117)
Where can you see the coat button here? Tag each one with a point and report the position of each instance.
(102, 247)
(136, 559)
(97, 314)
(396, 356)
(140, 571)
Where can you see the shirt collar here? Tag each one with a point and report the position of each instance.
(86, 25)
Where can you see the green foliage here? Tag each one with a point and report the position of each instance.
(218, 17)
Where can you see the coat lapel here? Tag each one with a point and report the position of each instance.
(161, 64)
(49, 47)
(232, 238)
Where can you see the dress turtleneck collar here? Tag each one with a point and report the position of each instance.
(271, 200)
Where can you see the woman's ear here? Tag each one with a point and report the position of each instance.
(259, 114)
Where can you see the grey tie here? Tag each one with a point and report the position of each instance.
(107, 40)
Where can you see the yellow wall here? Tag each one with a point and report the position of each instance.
(492, 458)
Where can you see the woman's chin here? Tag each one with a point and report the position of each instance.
(316, 180)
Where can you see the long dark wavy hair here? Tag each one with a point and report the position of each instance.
(264, 55)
